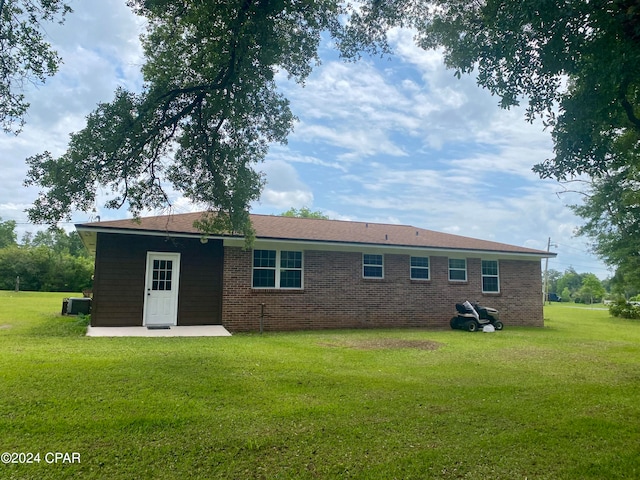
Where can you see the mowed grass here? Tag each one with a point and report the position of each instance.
(560, 402)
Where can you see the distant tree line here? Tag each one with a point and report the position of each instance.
(51, 260)
(304, 212)
(572, 286)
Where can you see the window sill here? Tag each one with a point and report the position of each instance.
(276, 290)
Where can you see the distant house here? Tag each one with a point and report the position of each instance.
(303, 274)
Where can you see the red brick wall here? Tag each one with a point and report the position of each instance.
(336, 296)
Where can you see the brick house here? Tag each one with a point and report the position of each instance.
(303, 274)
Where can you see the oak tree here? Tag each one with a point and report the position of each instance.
(210, 106)
(576, 65)
(206, 116)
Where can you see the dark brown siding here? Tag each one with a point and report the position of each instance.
(120, 276)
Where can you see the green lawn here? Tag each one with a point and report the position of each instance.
(561, 402)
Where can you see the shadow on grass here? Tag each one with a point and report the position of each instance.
(61, 326)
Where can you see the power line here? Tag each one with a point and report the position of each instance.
(558, 265)
(574, 265)
(44, 224)
(574, 248)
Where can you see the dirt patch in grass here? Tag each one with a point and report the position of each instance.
(5, 326)
(385, 343)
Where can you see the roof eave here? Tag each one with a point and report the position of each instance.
(239, 239)
(394, 246)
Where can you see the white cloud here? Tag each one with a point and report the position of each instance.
(279, 152)
(286, 200)
(358, 142)
(394, 141)
(422, 147)
(100, 50)
(283, 188)
(351, 107)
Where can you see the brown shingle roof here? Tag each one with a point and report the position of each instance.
(317, 230)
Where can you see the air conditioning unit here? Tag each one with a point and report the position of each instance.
(77, 305)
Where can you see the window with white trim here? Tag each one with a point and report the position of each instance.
(372, 266)
(457, 269)
(490, 276)
(419, 268)
(277, 269)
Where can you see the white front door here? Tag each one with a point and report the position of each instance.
(161, 289)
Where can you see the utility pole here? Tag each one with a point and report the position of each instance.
(545, 290)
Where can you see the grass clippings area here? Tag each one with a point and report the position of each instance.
(383, 343)
(559, 402)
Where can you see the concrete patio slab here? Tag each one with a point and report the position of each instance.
(173, 331)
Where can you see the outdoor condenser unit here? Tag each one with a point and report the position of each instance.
(79, 305)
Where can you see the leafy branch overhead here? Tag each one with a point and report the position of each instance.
(210, 106)
(208, 112)
(577, 66)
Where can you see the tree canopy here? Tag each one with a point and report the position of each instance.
(612, 213)
(304, 212)
(25, 54)
(210, 105)
(577, 65)
(208, 111)
(591, 289)
(7, 233)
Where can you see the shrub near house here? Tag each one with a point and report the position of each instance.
(624, 309)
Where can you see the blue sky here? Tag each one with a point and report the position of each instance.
(393, 140)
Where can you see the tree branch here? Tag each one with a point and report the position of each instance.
(626, 105)
(225, 74)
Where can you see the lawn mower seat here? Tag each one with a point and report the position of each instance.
(460, 308)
